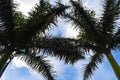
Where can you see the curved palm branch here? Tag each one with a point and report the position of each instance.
(99, 34)
(6, 13)
(6, 16)
(86, 21)
(39, 64)
(25, 30)
(39, 22)
(110, 15)
(116, 40)
(48, 16)
(21, 33)
(62, 48)
(92, 65)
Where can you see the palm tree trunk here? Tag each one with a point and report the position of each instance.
(4, 59)
(5, 66)
(114, 64)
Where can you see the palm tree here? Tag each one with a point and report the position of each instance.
(25, 37)
(101, 35)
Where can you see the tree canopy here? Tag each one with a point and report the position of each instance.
(25, 36)
(101, 35)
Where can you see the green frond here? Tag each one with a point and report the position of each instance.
(83, 15)
(40, 19)
(117, 36)
(92, 65)
(38, 64)
(79, 25)
(20, 20)
(87, 22)
(62, 48)
(6, 13)
(116, 40)
(7, 8)
(87, 46)
(110, 15)
(117, 9)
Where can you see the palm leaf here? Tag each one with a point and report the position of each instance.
(98, 36)
(117, 34)
(43, 19)
(110, 15)
(6, 16)
(116, 40)
(40, 21)
(20, 20)
(64, 49)
(88, 20)
(87, 46)
(39, 64)
(117, 10)
(92, 65)
(6, 13)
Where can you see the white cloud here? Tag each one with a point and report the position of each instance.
(64, 29)
(18, 63)
(70, 31)
(26, 5)
(58, 66)
(20, 71)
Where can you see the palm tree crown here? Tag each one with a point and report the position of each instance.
(25, 36)
(99, 35)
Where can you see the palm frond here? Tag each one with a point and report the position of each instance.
(39, 64)
(63, 49)
(116, 40)
(6, 13)
(88, 20)
(87, 46)
(84, 15)
(92, 65)
(117, 36)
(110, 15)
(20, 20)
(117, 10)
(7, 8)
(40, 19)
(76, 22)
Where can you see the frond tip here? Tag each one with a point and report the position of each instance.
(92, 65)
(39, 64)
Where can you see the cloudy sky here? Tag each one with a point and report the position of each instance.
(18, 70)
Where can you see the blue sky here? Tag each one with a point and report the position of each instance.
(18, 70)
